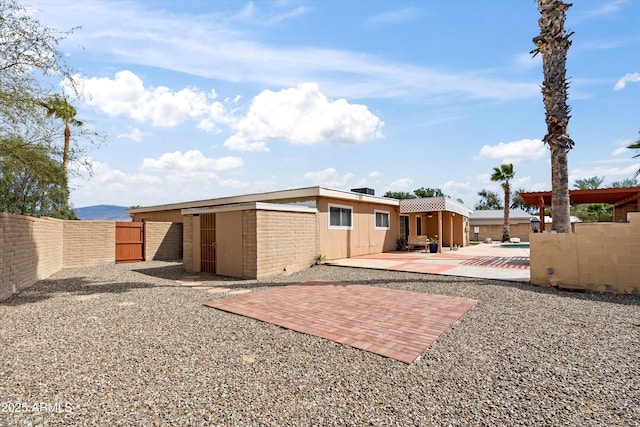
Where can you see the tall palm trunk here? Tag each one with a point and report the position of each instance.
(553, 43)
(506, 228)
(65, 153)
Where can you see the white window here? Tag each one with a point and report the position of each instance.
(382, 220)
(340, 217)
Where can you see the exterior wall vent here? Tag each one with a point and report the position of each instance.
(368, 191)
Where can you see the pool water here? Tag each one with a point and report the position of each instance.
(515, 245)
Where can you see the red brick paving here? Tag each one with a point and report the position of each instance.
(392, 323)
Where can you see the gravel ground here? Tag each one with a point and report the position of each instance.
(127, 344)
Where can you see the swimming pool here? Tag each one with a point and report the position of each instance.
(515, 245)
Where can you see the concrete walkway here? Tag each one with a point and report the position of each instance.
(487, 261)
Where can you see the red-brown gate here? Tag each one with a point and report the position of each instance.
(129, 242)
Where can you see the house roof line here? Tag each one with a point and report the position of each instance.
(249, 206)
(295, 193)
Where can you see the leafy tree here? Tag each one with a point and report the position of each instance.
(428, 192)
(31, 183)
(503, 174)
(589, 183)
(419, 193)
(489, 201)
(553, 44)
(627, 182)
(593, 212)
(517, 202)
(399, 195)
(635, 146)
(31, 66)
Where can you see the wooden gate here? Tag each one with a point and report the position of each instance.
(129, 242)
(208, 243)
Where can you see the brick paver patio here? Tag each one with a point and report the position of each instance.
(392, 323)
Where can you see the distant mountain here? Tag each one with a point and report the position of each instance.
(103, 212)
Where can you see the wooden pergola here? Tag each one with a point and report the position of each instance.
(625, 199)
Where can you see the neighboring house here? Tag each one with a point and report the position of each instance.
(259, 235)
(490, 223)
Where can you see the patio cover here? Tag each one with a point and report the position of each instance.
(612, 196)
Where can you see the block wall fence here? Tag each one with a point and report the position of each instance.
(494, 232)
(33, 249)
(601, 257)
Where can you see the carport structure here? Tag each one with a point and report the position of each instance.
(624, 200)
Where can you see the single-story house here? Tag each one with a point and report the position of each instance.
(490, 223)
(258, 235)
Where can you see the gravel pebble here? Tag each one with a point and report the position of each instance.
(130, 344)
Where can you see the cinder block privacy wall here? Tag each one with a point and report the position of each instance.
(597, 257)
(33, 249)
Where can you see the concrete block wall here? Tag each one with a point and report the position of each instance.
(187, 244)
(283, 239)
(494, 232)
(89, 243)
(598, 257)
(30, 250)
(249, 244)
(163, 241)
(33, 249)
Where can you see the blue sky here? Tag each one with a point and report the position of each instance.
(203, 99)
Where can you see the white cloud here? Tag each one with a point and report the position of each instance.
(190, 161)
(214, 47)
(328, 178)
(126, 95)
(374, 174)
(523, 151)
(622, 147)
(627, 78)
(239, 143)
(393, 17)
(134, 134)
(401, 184)
(611, 174)
(303, 115)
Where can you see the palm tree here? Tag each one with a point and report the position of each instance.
(635, 146)
(60, 108)
(553, 43)
(503, 174)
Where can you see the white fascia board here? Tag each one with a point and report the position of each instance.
(296, 193)
(233, 200)
(249, 206)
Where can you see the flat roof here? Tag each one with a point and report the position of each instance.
(613, 196)
(293, 194)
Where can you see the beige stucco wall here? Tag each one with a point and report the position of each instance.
(173, 215)
(363, 238)
(451, 226)
(598, 256)
(30, 250)
(229, 258)
(163, 241)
